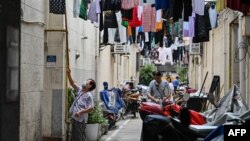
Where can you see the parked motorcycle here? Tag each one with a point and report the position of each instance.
(184, 124)
(132, 101)
(112, 105)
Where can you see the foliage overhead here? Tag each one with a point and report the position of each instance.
(146, 74)
(182, 72)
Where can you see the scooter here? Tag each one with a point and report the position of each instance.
(112, 105)
(132, 102)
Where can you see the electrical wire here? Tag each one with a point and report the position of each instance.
(241, 45)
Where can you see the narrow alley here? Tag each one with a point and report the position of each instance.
(80, 70)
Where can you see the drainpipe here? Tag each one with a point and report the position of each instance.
(242, 51)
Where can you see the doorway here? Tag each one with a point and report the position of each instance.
(9, 70)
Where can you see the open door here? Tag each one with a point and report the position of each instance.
(9, 70)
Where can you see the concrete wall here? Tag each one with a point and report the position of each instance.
(217, 53)
(219, 57)
(215, 56)
(82, 40)
(43, 84)
(105, 68)
(42, 91)
(32, 64)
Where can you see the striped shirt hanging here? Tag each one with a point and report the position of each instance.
(57, 6)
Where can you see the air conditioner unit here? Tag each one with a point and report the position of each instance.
(121, 49)
(195, 48)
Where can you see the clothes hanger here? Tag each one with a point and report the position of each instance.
(212, 5)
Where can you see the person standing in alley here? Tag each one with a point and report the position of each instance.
(158, 89)
(82, 105)
(176, 83)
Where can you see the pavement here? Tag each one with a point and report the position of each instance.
(128, 129)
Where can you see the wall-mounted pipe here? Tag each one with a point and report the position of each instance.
(242, 59)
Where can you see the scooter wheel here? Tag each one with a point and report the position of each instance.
(134, 114)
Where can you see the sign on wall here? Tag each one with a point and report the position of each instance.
(51, 60)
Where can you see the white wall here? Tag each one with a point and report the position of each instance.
(32, 37)
(218, 56)
(82, 68)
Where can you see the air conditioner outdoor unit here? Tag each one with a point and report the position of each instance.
(121, 49)
(195, 48)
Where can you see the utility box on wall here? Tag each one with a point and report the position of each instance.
(195, 48)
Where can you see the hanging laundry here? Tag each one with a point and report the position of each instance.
(121, 28)
(187, 9)
(148, 18)
(165, 55)
(111, 35)
(177, 10)
(158, 26)
(94, 10)
(213, 16)
(111, 5)
(139, 12)
(57, 6)
(110, 19)
(129, 4)
(83, 9)
(162, 4)
(185, 29)
(180, 27)
(140, 41)
(191, 25)
(154, 54)
(76, 8)
(127, 15)
(198, 6)
(202, 27)
(159, 15)
(101, 17)
(135, 21)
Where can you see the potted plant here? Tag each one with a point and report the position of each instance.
(96, 123)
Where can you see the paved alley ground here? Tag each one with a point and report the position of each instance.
(129, 129)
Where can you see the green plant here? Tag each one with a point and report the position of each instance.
(71, 96)
(146, 74)
(96, 116)
(182, 72)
